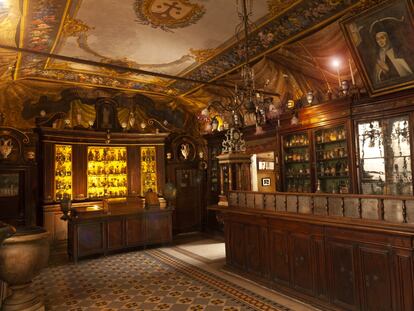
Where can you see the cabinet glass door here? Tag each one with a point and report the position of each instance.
(63, 172)
(332, 166)
(385, 158)
(297, 162)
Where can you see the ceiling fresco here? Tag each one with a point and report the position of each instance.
(186, 38)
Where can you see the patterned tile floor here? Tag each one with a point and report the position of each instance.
(143, 280)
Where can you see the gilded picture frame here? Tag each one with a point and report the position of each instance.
(381, 41)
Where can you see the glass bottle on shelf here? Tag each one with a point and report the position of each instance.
(331, 159)
(296, 162)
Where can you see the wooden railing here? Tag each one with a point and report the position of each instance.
(392, 209)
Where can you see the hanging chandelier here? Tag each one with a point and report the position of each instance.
(247, 98)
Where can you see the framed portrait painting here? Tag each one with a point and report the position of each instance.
(382, 43)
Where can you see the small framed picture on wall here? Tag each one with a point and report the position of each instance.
(265, 182)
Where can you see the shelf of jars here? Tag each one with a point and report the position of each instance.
(332, 163)
(63, 172)
(148, 169)
(107, 172)
(297, 163)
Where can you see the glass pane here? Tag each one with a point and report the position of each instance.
(385, 159)
(63, 171)
(148, 169)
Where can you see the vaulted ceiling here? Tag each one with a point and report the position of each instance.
(173, 51)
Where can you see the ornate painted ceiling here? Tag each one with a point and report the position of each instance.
(193, 39)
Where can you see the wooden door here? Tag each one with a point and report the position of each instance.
(188, 204)
(341, 265)
(376, 279)
(301, 263)
(279, 257)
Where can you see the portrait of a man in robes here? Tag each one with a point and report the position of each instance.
(382, 40)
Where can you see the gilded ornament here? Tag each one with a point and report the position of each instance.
(168, 14)
(203, 55)
(74, 27)
(277, 6)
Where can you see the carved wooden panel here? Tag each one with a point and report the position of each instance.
(304, 204)
(158, 228)
(341, 263)
(249, 200)
(270, 202)
(320, 206)
(292, 203)
(237, 244)
(258, 200)
(321, 284)
(335, 206)
(376, 279)
(135, 231)
(254, 257)
(91, 238)
(242, 199)
(404, 267)
(301, 263)
(115, 234)
(280, 202)
(370, 208)
(409, 205)
(233, 199)
(351, 206)
(279, 257)
(393, 210)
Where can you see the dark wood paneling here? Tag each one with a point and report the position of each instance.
(341, 265)
(159, 228)
(376, 279)
(301, 263)
(160, 168)
(134, 170)
(79, 169)
(48, 172)
(279, 257)
(135, 231)
(254, 256)
(91, 238)
(237, 245)
(115, 234)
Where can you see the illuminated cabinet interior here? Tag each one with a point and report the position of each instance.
(148, 169)
(107, 172)
(63, 171)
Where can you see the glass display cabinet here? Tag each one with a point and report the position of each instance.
(332, 165)
(63, 171)
(385, 156)
(296, 157)
(107, 172)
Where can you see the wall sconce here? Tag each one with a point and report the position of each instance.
(169, 155)
(90, 123)
(124, 126)
(108, 137)
(345, 87)
(201, 155)
(290, 104)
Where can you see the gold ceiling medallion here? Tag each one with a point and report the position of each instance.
(203, 55)
(276, 6)
(168, 14)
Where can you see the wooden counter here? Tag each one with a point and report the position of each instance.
(333, 261)
(101, 232)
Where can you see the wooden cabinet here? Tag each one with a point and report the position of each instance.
(279, 257)
(101, 233)
(333, 264)
(341, 267)
(301, 265)
(376, 279)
